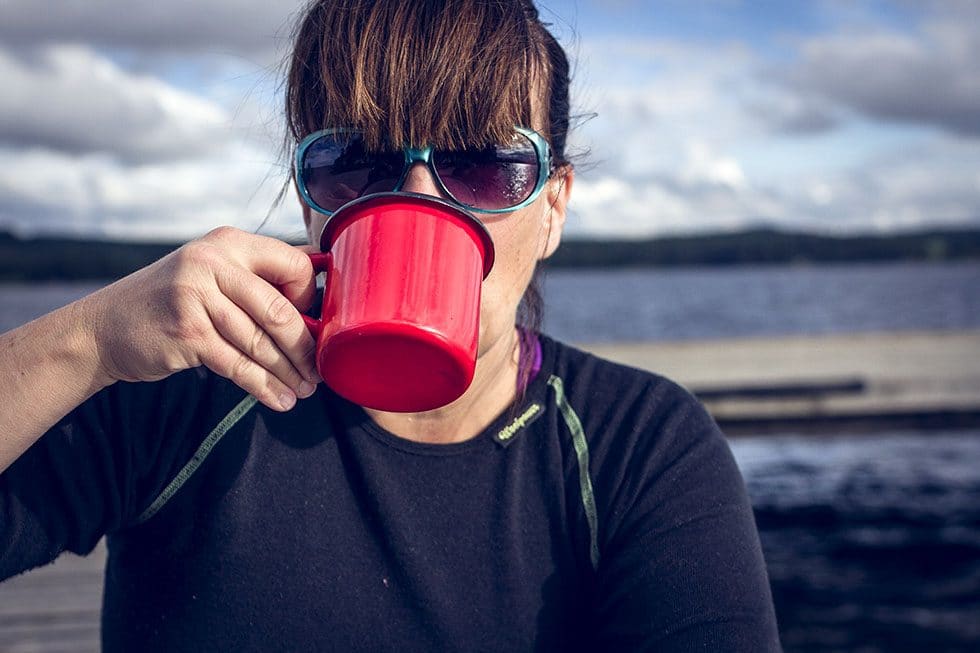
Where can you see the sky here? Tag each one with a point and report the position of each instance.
(162, 120)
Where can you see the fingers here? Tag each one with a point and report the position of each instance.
(271, 329)
(227, 360)
(286, 267)
(256, 347)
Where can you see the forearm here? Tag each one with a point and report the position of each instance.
(49, 366)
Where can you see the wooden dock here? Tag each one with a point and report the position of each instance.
(827, 384)
(847, 383)
(54, 609)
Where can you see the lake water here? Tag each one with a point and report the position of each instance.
(686, 303)
(872, 541)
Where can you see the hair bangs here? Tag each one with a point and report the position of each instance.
(451, 73)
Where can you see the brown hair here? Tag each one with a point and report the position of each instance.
(450, 73)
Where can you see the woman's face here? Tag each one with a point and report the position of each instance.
(520, 240)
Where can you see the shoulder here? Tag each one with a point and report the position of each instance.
(623, 402)
(646, 436)
(674, 544)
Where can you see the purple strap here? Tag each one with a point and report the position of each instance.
(529, 360)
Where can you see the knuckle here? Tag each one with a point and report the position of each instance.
(238, 369)
(259, 344)
(223, 233)
(222, 319)
(309, 349)
(280, 312)
(186, 322)
(300, 266)
(189, 329)
(198, 253)
(243, 372)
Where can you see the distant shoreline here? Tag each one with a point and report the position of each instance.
(762, 246)
(45, 259)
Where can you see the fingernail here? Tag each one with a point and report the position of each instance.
(287, 400)
(305, 389)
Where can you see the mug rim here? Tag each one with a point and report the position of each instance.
(340, 217)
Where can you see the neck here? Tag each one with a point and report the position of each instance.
(493, 389)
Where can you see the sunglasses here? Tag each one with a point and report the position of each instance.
(334, 166)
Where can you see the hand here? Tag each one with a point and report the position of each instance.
(230, 301)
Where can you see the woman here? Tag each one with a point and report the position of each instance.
(562, 503)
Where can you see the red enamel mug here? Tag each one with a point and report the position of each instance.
(400, 321)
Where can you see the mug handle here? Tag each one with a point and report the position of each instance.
(321, 263)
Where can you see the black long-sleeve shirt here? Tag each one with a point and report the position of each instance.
(604, 512)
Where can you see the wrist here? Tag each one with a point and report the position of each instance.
(83, 353)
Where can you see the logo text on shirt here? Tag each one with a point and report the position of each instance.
(522, 420)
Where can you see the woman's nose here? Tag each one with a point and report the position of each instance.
(420, 180)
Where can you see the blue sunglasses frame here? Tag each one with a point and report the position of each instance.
(424, 155)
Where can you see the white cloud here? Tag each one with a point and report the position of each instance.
(665, 83)
(820, 192)
(49, 192)
(662, 158)
(87, 147)
(679, 150)
(704, 166)
(212, 26)
(928, 76)
(71, 99)
(789, 113)
(611, 206)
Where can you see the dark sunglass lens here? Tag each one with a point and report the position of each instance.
(337, 168)
(493, 178)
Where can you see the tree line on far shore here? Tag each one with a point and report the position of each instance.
(762, 246)
(64, 259)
